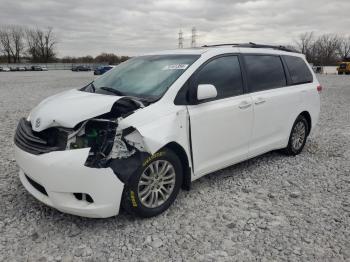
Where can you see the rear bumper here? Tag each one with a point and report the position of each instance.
(63, 173)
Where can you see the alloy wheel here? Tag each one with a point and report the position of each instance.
(298, 136)
(156, 183)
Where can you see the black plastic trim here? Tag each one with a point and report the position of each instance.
(29, 142)
(36, 185)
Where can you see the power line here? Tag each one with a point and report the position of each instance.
(194, 37)
(181, 40)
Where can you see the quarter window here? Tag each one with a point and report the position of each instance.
(225, 74)
(264, 72)
(298, 70)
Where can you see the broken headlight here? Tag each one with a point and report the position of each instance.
(104, 140)
(98, 134)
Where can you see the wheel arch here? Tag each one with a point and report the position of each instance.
(307, 116)
(181, 153)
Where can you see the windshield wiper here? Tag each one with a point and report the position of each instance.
(112, 90)
(93, 87)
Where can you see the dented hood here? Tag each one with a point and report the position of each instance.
(69, 108)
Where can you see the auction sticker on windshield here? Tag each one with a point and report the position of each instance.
(175, 67)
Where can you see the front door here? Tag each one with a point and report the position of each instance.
(220, 127)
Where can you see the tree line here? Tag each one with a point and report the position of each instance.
(325, 49)
(18, 43)
(36, 44)
(109, 58)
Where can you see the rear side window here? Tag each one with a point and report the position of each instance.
(264, 72)
(225, 74)
(298, 70)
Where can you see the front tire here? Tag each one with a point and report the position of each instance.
(298, 136)
(154, 186)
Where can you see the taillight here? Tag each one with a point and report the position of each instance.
(319, 88)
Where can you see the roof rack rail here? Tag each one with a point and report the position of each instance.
(254, 45)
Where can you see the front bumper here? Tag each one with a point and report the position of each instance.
(63, 173)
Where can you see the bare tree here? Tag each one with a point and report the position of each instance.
(324, 49)
(344, 48)
(17, 35)
(305, 44)
(327, 47)
(49, 44)
(11, 42)
(41, 44)
(5, 43)
(32, 45)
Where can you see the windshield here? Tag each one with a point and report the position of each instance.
(144, 76)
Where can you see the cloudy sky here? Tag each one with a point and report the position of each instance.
(130, 27)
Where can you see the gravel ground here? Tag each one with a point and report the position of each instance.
(271, 207)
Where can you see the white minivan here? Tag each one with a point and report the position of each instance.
(155, 123)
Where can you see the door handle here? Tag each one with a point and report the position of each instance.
(244, 105)
(260, 101)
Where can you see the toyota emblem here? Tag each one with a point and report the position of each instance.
(37, 122)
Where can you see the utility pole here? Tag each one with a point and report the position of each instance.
(194, 37)
(181, 40)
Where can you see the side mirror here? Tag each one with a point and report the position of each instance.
(206, 91)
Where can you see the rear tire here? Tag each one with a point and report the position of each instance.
(298, 136)
(340, 73)
(154, 186)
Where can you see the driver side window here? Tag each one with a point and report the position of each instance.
(225, 74)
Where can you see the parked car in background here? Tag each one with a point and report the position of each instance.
(318, 69)
(37, 68)
(4, 69)
(102, 69)
(12, 68)
(344, 68)
(155, 123)
(21, 68)
(44, 68)
(81, 68)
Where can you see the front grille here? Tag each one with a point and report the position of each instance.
(342, 66)
(37, 186)
(31, 142)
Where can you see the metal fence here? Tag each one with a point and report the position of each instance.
(54, 66)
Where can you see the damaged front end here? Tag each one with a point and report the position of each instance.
(120, 149)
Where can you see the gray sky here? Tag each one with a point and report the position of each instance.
(130, 27)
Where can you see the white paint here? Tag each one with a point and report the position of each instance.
(63, 173)
(223, 132)
(206, 91)
(69, 108)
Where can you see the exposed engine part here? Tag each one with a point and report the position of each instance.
(106, 142)
(99, 134)
(102, 136)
